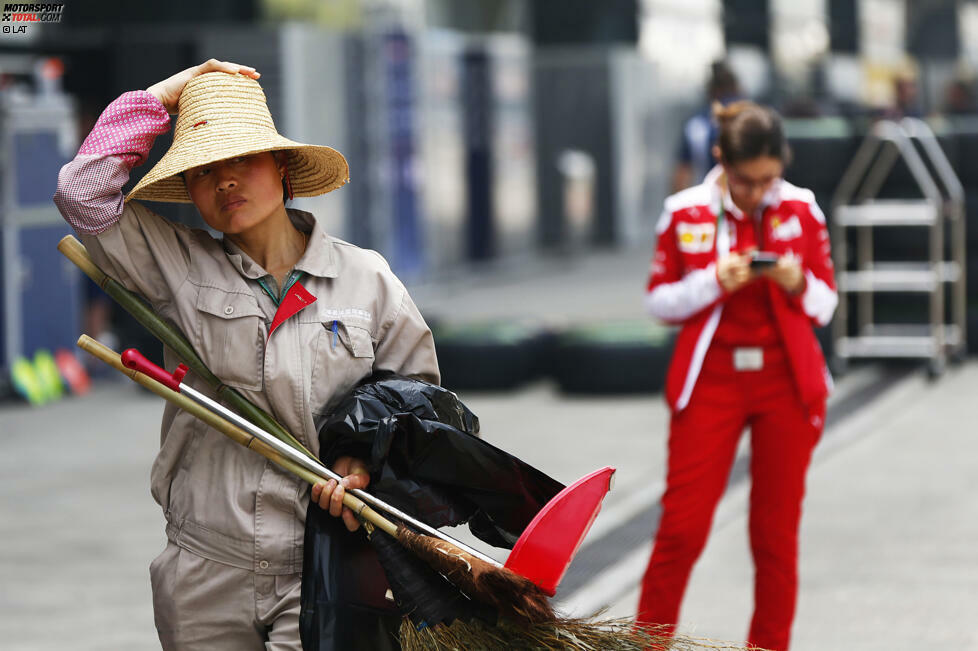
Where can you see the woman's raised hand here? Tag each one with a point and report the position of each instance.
(168, 91)
(733, 271)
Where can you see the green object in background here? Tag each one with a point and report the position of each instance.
(618, 357)
(633, 332)
(483, 332)
(49, 378)
(490, 355)
(25, 381)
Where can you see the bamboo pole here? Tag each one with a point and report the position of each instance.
(75, 251)
(230, 430)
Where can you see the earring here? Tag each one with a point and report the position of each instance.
(288, 183)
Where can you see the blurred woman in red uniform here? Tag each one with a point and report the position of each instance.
(745, 356)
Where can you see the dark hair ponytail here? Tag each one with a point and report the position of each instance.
(748, 130)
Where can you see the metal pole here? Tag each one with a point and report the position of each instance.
(318, 468)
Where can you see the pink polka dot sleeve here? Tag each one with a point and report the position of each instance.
(127, 128)
(89, 193)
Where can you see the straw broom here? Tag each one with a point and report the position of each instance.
(584, 634)
(528, 620)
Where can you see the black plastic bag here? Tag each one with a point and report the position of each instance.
(343, 601)
(425, 458)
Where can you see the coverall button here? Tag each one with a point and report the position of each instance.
(262, 564)
(229, 309)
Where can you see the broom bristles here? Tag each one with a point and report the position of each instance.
(591, 634)
(514, 596)
(527, 619)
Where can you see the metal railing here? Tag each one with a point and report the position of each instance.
(941, 208)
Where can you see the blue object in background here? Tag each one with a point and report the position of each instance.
(38, 163)
(406, 233)
(50, 299)
(477, 110)
(45, 293)
(40, 291)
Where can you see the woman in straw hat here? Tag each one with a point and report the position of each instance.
(277, 308)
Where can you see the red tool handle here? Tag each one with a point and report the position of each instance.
(132, 358)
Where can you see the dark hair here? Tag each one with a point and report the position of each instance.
(748, 130)
(280, 156)
(723, 82)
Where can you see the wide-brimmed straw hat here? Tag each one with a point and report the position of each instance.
(221, 116)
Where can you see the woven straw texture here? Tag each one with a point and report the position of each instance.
(221, 116)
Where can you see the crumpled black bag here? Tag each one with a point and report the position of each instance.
(342, 604)
(426, 459)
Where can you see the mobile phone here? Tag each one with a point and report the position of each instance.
(762, 260)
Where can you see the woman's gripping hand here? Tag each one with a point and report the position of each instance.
(330, 494)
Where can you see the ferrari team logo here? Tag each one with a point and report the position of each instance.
(788, 229)
(695, 238)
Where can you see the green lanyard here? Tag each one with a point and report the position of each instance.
(721, 224)
(292, 279)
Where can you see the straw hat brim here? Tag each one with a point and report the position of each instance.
(313, 169)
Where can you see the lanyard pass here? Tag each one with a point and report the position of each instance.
(336, 328)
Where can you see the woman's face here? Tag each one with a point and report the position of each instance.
(749, 180)
(236, 194)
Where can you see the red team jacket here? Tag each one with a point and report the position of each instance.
(683, 286)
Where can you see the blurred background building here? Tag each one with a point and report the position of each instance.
(480, 134)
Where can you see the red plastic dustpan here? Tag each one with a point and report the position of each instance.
(548, 544)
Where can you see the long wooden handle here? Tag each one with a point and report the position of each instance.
(174, 339)
(233, 432)
(136, 306)
(78, 254)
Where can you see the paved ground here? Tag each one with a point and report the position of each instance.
(77, 524)
(888, 559)
(549, 290)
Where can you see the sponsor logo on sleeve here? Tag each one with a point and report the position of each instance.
(695, 238)
(788, 229)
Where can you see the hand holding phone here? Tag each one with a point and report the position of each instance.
(733, 271)
(762, 260)
(784, 270)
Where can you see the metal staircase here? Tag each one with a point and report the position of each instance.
(939, 213)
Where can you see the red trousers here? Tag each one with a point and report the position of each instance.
(702, 446)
